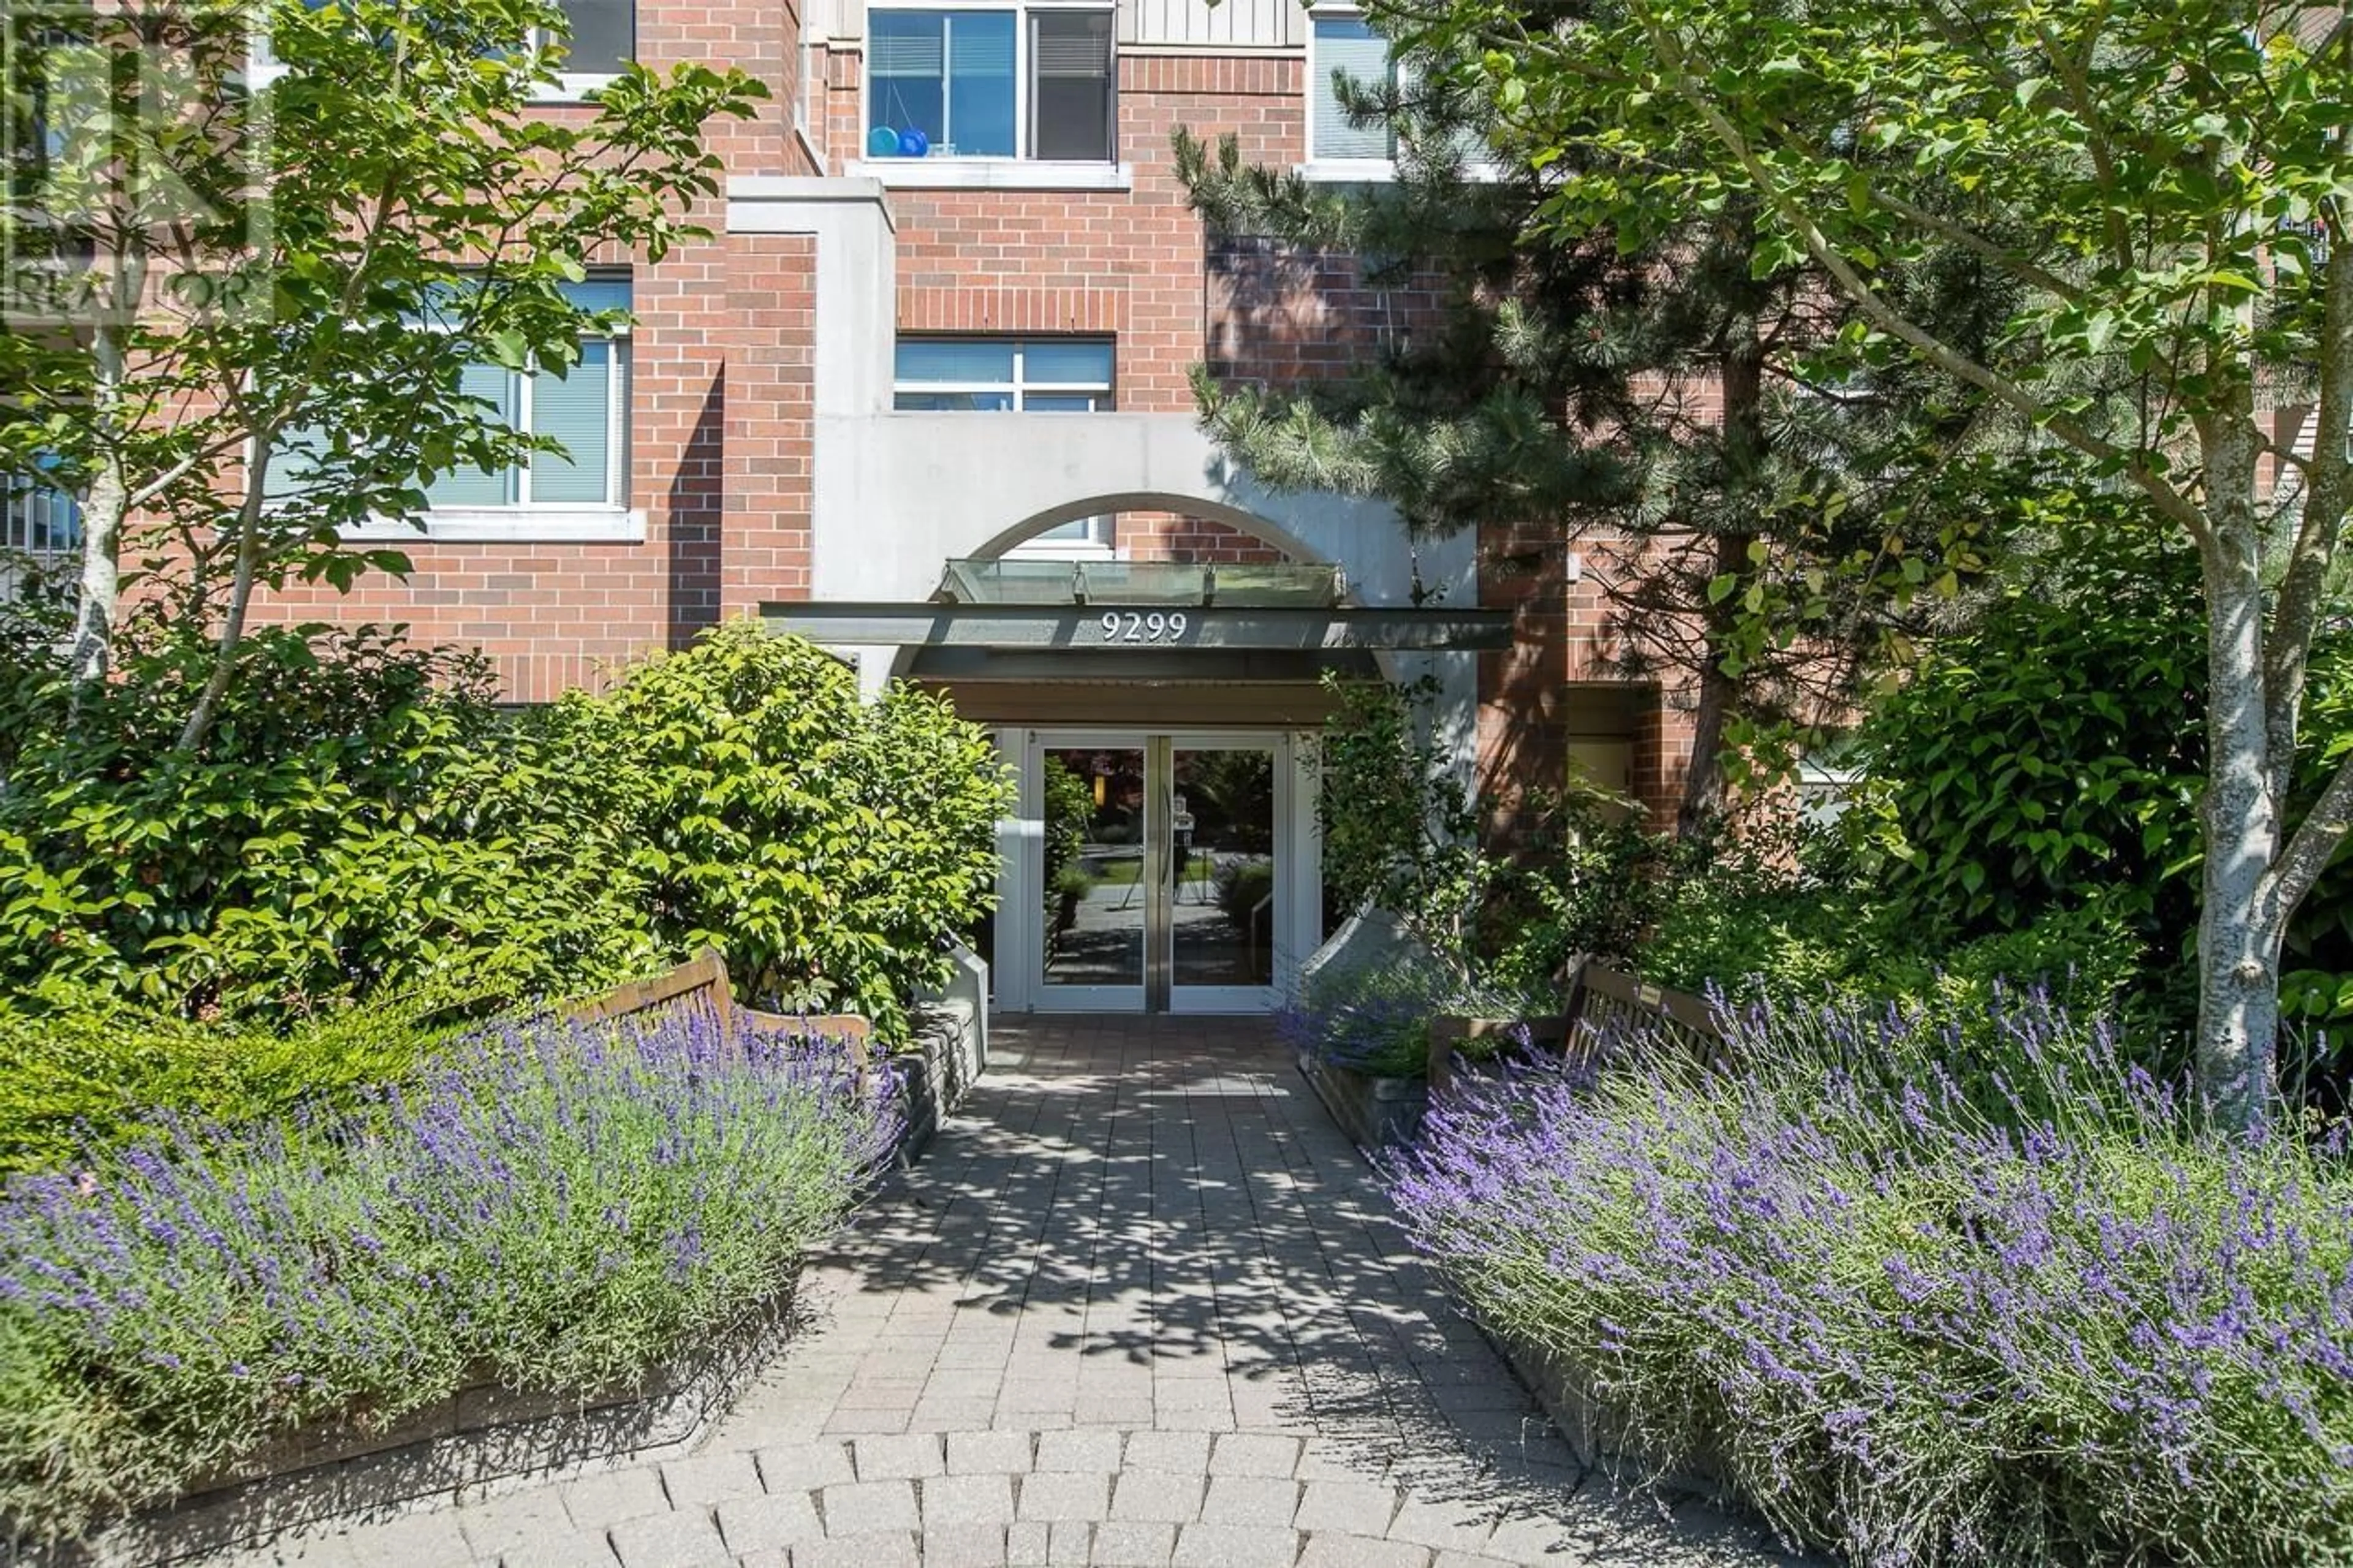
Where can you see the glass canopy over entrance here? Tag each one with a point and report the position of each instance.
(1158, 582)
(1160, 717)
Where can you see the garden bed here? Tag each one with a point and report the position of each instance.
(245, 1329)
(485, 1439)
(1981, 1290)
(1375, 1112)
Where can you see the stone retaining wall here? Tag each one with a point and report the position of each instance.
(1375, 1113)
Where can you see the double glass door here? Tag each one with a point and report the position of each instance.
(1159, 885)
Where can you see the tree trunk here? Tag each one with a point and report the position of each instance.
(232, 629)
(102, 580)
(1704, 785)
(103, 504)
(1743, 385)
(2241, 927)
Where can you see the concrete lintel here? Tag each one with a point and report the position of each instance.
(784, 203)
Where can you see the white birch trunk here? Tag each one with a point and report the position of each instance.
(2241, 926)
(103, 505)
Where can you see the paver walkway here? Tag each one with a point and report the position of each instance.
(1140, 1304)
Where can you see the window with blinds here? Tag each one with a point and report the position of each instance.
(1344, 46)
(584, 407)
(990, 84)
(1070, 104)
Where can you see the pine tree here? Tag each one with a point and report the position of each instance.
(1764, 538)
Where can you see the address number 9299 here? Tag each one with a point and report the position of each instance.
(1141, 627)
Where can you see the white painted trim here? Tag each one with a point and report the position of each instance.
(574, 88)
(1226, 51)
(509, 525)
(992, 174)
(762, 203)
(1021, 863)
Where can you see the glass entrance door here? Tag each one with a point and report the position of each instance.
(1160, 882)
(1221, 918)
(1095, 903)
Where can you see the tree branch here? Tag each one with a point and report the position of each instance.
(1935, 349)
(2303, 587)
(2317, 839)
(2103, 165)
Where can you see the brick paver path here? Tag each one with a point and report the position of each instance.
(1140, 1304)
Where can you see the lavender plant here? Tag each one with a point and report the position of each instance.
(564, 1208)
(1376, 1018)
(1928, 1295)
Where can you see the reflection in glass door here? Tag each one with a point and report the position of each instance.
(1159, 882)
(1221, 912)
(1095, 843)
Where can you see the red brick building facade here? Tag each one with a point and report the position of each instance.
(774, 454)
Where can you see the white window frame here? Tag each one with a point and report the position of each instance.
(29, 504)
(577, 87)
(1083, 171)
(1319, 76)
(1099, 538)
(261, 67)
(1358, 171)
(1020, 386)
(523, 519)
(1098, 541)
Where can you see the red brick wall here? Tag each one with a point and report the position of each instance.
(721, 460)
(1282, 316)
(1538, 694)
(1128, 262)
(721, 433)
(720, 453)
(1198, 540)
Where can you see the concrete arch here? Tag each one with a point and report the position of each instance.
(943, 486)
(1257, 527)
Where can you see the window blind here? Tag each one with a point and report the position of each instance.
(1346, 44)
(576, 411)
(467, 487)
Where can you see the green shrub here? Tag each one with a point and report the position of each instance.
(362, 818)
(82, 1071)
(827, 848)
(562, 1208)
(1403, 836)
(1753, 931)
(2051, 756)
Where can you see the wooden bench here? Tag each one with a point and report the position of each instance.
(699, 985)
(1601, 1001)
